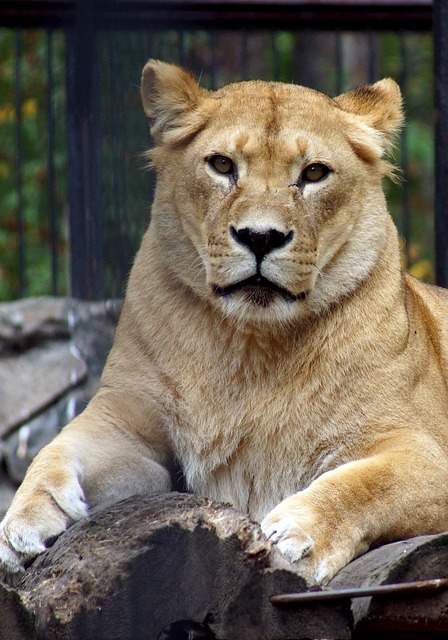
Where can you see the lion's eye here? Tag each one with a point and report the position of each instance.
(315, 172)
(221, 164)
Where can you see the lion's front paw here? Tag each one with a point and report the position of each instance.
(298, 535)
(36, 517)
(295, 543)
(291, 540)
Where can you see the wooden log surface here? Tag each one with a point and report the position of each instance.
(181, 567)
(172, 566)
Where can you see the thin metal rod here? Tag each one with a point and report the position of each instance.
(19, 165)
(275, 56)
(86, 223)
(372, 56)
(50, 167)
(339, 62)
(181, 46)
(404, 155)
(244, 55)
(440, 28)
(213, 59)
(422, 586)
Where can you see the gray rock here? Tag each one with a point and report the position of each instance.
(27, 322)
(52, 352)
(7, 491)
(36, 378)
(92, 328)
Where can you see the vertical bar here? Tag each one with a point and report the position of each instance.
(339, 64)
(440, 33)
(213, 61)
(150, 44)
(50, 167)
(118, 136)
(275, 57)
(19, 166)
(404, 156)
(86, 228)
(372, 57)
(181, 47)
(244, 55)
(308, 49)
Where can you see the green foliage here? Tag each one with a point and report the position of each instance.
(24, 186)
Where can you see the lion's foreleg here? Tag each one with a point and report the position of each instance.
(96, 459)
(398, 490)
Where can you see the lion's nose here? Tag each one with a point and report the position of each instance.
(261, 242)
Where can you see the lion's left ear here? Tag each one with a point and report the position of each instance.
(377, 107)
(380, 104)
(172, 100)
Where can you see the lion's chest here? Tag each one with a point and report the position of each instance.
(249, 444)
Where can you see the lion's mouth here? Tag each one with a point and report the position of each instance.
(259, 291)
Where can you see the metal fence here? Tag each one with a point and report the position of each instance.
(74, 200)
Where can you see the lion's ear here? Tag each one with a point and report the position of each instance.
(378, 111)
(380, 104)
(172, 100)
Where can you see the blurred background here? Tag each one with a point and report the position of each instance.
(74, 198)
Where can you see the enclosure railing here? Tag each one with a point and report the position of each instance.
(74, 200)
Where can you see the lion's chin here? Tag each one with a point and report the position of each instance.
(258, 291)
(260, 300)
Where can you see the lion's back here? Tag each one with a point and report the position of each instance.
(433, 303)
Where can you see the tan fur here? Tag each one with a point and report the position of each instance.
(323, 415)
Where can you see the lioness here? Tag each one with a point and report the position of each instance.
(269, 340)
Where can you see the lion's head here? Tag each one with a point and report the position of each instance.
(269, 201)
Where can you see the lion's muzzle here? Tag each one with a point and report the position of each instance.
(261, 242)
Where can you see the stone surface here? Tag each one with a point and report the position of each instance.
(52, 352)
(92, 328)
(168, 567)
(7, 491)
(35, 379)
(27, 322)
(20, 447)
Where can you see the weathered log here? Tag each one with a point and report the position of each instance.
(178, 566)
(173, 566)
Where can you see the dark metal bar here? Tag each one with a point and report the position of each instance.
(181, 47)
(420, 587)
(149, 44)
(275, 56)
(348, 14)
(404, 156)
(339, 64)
(372, 72)
(244, 55)
(441, 137)
(213, 60)
(115, 241)
(19, 166)
(50, 168)
(86, 225)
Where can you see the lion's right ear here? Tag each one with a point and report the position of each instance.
(173, 101)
